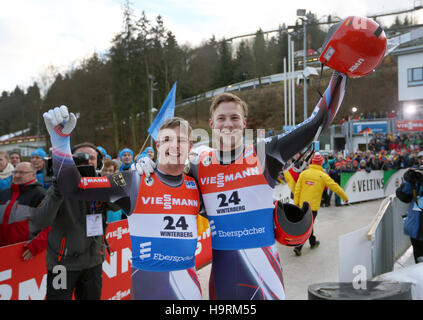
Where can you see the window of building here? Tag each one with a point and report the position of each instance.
(415, 77)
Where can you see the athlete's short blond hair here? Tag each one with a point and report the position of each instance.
(176, 122)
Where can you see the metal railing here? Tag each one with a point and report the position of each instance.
(388, 241)
(244, 85)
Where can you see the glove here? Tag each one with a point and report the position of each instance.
(60, 123)
(145, 166)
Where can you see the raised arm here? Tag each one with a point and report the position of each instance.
(60, 123)
(286, 145)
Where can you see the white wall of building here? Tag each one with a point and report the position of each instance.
(360, 140)
(25, 148)
(406, 62)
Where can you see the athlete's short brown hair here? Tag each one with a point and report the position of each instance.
(228, 97)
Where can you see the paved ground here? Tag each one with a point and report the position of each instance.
(320, 264)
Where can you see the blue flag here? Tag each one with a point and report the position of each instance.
(167, 111)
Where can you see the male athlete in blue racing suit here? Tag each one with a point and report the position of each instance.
(162, 209)
(236, 185)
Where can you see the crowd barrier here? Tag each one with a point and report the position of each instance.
(359, 186)
(376, 184)
(374, 249)
(27, 280)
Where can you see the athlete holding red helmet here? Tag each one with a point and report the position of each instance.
(236, 180)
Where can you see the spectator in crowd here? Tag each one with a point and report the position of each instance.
(419, 163)
(109, 167)
(391, 161)
(309, 187)
(335, 174)
(383, 162)
(413, 159)
(126, 157)
(148, 152)
(104, 153)
(363, 166)
(37, 160)
(332, 159)
(358, 156)
(15, 158)
(328, 162)
(373, 162)
(68, 243)
(327, 165)
(354, 165)
(6, 169)
(402, 161)
(117, 161)
(18, 211)
(411, 191)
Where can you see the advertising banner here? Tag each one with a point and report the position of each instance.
(392, 180)
(27, 280)
(117, 265)
(19, 279)
(374, 126)
(362, 185)
(409, 125)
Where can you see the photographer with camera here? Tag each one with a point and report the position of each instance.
(411, 191)
(77, 233)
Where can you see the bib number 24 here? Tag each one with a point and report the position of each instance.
(233, 199)
(181, 223)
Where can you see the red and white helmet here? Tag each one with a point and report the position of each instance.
(354, 46)
(293, 225)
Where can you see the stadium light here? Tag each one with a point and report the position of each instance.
(410, 109)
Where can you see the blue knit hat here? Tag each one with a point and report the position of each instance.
(102, 150)
(39, 152)
(145, 154)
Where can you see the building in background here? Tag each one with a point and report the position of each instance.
(410, 79)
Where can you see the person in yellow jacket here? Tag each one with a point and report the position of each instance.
(309, 188)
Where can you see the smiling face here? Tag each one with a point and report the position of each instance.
(126, 158)
(37, 162)
(228, 123)
(150, 154)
